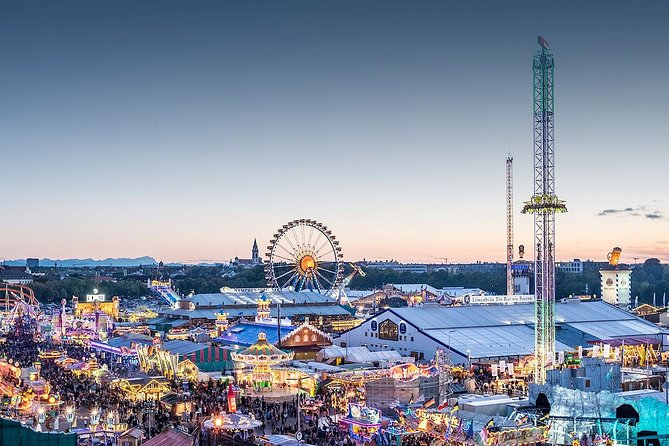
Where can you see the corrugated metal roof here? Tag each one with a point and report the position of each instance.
(299, 310)
(616, 329)
(249, 298)
(359, 354)
(435, 317)
(182, 347)
(491, 342)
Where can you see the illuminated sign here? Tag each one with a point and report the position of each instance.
(95, 297)
(410, 372)
(498, 300)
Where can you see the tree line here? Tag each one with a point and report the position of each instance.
(651, 277)
(50, 289)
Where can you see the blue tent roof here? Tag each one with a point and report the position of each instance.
(246, 333)
(128, 340)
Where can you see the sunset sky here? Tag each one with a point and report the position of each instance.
(182, 130)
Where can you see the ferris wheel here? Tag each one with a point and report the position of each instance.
(304, 255)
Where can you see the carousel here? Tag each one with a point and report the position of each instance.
(262, 356)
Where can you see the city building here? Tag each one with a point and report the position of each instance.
(476, 267)
(422, 268)
(15, 275)
(572, 267)
(591, 265)
(249, 263)
(415, 268)
(523, 271)
(32, 263)
(493, 332)
(96, 302)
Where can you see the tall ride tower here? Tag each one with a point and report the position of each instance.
(544, 204)
(509, 226)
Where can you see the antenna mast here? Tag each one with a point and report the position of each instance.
(509, 225)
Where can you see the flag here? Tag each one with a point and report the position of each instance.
(542, 42)
(470, 429)
(411, 399)
(490, 423)
(454, 409)
(522, 420)
(484, 435)
(429, 403)
(443, 405)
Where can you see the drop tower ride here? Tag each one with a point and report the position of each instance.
(544, 204)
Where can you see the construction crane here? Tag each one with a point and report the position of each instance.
(509, 225)
(544, 204)
(339, 293)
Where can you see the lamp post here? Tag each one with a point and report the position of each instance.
(218, 422)
(69, 416)
(41, 416)
(95, 418)
(666, 385)
(149, 407)
(299, 415)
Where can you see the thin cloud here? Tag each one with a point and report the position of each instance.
(616, 211)
(638, 211)
(655, 215)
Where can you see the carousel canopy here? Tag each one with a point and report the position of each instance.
(262, 351)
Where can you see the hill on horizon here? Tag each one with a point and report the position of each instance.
(82, 263)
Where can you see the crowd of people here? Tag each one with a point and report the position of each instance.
(87, 394)
(200, 400)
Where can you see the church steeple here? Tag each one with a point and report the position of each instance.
(255, 258)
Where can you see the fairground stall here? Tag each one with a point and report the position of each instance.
(142, 388)
(182, 359)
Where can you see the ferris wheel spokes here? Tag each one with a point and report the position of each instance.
(310, 257)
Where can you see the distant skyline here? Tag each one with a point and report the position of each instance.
(184, 130)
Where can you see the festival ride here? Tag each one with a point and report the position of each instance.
(262, 356)
(18, 307)
(304, 255)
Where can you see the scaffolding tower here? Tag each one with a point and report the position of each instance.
(544, 204)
